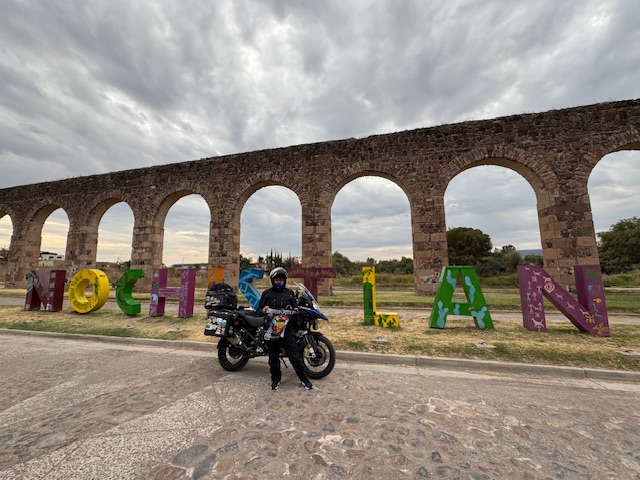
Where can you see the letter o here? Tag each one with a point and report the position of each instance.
(77, 295)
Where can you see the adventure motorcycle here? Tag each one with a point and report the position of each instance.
(241, 332)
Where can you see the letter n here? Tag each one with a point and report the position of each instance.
(588, 314)
(46, 291)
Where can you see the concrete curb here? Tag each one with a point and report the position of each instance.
(484, 366)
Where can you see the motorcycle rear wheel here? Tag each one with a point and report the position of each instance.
(231, 358)
(325, 358)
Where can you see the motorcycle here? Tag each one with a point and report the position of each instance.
(241, 332)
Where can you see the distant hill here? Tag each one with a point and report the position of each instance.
(534, 251)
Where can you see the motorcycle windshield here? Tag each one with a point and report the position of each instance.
(307, 295)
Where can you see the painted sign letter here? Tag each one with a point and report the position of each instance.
(444, 305)
(589, 313)
(124, 291)
(185, 292)
(99, 290)
(46, 291)
(371, 317)
(245, 285)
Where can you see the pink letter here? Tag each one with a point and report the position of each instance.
(185, 292)
(589, 313)
(49, 292)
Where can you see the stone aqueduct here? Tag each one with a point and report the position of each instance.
(554, 151)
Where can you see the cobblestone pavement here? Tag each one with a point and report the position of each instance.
(87, 410)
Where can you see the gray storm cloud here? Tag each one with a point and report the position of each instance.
(91, 87)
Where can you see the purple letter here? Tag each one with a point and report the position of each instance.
(589, 313)
(49, 292)
(185, 292)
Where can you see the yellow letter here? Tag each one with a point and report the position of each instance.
(78, 295)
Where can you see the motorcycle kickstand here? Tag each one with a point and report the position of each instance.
(284, 363)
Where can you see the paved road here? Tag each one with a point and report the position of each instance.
(85, 410)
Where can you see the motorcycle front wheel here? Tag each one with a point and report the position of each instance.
(231, 358)
(322, 362)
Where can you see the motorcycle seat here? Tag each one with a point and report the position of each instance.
(252, 320)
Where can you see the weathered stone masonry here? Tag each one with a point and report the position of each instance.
(555, 151)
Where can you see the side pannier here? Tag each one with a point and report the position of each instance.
(219, 324)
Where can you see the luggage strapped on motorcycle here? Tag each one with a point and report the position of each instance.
(221, 297)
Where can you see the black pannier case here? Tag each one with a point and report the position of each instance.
(219, 324)
(221, 297)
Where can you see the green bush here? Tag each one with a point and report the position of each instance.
(629, 279)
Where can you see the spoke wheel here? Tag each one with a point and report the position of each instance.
(322, 363)
(231, 358)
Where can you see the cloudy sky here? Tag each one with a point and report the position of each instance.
(93, 87)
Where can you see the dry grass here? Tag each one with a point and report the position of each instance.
(562, 345)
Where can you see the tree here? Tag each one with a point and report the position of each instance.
(619, 248)
(511, 261)
(342, 264)
(508, 249)
(245, 262)
(533, 259)
(467, 246)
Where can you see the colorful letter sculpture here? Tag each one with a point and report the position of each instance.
(310, 276)
(46, 291)
(78, 286)
(185, 292)
(246, 287)
(444, 304)
(214, 275)
(588, 314)
(124, 290)
(371, 317)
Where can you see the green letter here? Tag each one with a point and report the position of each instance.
(443, 304)
(124, 289)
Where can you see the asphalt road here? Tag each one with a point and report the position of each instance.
(87, 410)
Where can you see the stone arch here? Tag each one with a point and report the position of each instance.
(104, 201)
(611, 191)
(161, 216)
(84, 236)
(392, 179)
(629, 140)
(344, 180)
(34, 233)
(247, 186)
(506, 210)
(169, 200)
(531, 167)
(246, 194)
(6, 214)
(291, 208)
(102, 209)
(534, 169)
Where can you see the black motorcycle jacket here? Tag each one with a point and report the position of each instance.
(283, 299)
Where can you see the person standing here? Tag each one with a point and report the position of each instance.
(280, 331)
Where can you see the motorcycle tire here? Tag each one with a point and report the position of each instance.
(325, 358)
(231, 358)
